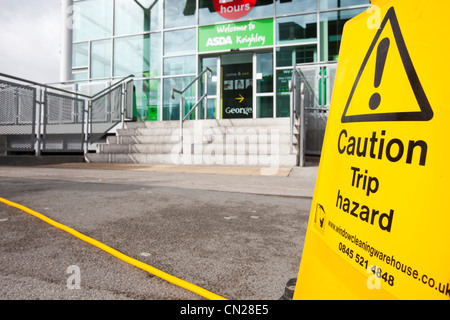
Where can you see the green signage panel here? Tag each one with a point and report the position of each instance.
(237, 35)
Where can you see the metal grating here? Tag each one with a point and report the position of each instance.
(317, 84)
(129, 99)
(63, 123)
(106, 112)
(36, 117)
(17, 117)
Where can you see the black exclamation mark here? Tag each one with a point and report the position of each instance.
(382, 51)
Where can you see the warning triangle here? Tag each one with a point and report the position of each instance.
(378, 52)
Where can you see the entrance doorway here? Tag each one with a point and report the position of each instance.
(242, 85)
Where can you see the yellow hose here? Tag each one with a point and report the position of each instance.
(176, 281)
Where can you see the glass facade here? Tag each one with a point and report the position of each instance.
(158, 42)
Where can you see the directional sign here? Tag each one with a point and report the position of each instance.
(237, 91)
(379, 223)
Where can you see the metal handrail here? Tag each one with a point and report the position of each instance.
(87, 123)
(190, 84)
(194, 107)
(297, 87)
(110, 88)
(101, 94)
(181, 92)
(42, 85)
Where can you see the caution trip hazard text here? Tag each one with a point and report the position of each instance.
(376, 147)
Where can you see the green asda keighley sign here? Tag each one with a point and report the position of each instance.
(238, 35)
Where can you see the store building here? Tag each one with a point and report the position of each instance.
(251, 46)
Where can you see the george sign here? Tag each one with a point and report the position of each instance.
(238, 35)
(233, 9)
(237, 91)
(379, 220)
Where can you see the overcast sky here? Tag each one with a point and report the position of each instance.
(30, 39)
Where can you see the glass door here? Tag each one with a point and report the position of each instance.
(264, 84)
(211, 104)
(241, 86)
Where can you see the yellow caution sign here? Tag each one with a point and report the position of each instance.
(380, 220)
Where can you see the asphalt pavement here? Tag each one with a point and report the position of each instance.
(234, 231)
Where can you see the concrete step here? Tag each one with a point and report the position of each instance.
(167, 131)
(208, 148)
(211, 123)
(190, 159)
(282, 138)
(243, 142)
(154, 148)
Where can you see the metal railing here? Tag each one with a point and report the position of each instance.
(183, 117)
(311, 89)
(38, 118)
(297, 114)
(110, 107)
